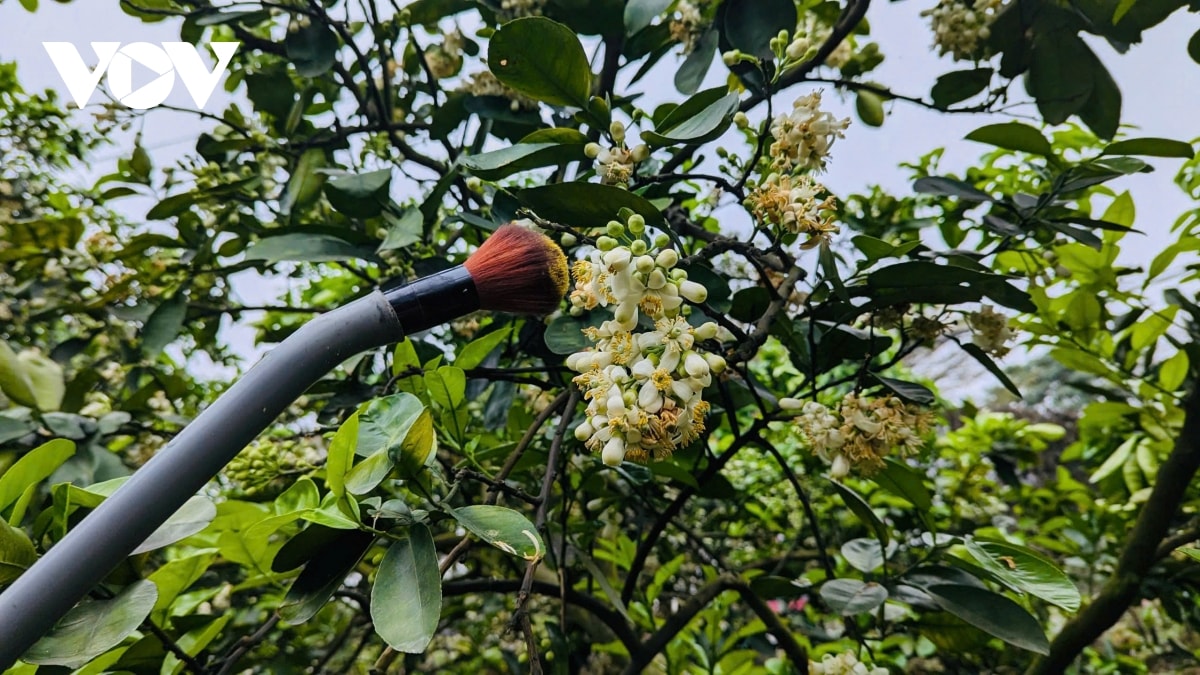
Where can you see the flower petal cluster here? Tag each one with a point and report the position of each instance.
(643, 388)
(961, 27)
(804, 136)
(687, 26)
(794, 204)
(845, 663)
(991, 330)
(484, 83)
(446, 59)
(515, 9)
(615, 165)
(862, 431)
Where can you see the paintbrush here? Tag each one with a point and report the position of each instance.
(516, 270)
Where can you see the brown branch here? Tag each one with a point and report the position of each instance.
(1139, 554)
(244, 645)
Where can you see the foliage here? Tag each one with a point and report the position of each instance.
(718, 456)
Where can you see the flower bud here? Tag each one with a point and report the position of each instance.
(706, 331)
(638, 247)
(614, 229)
(640, 153)
(614, 451)
(662, 240)
(656, 280)
(584, 431)
(693, 291)
(637, 223)
(645, 264)
(617, 131)
(568, 240)
(667, 258)
(695, 365)
(592, 150)
(731, 57)
(841, 466)
(716, 363)
(606, 243)
(740, 120)
(789, 403)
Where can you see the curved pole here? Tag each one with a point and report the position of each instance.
(31, 606)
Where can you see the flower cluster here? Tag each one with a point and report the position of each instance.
(810, 36)
(446, 59)
(643, 388)
(615, 165)
(793, 203)
(961, 27)
(687, 26)
(991, 330)
(485, 84)
(862, 431)
(845, 663)
(804, 136)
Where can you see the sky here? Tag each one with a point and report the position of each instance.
(1160, 87)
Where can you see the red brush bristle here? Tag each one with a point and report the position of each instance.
(519, 270)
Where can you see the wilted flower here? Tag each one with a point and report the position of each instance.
(792, 204)
(862, 431)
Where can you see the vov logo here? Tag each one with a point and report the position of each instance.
(167, 61)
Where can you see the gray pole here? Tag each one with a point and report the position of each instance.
(31, 606)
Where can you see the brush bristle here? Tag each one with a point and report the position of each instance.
(519, 270)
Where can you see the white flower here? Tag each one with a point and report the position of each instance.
(961, 27)
(804, 136)
(991, 330)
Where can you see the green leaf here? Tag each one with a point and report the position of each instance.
(312, 49)
(341, 455)
(986, 361)
(14, 382)
(639, 13)
(1150, 147)
(862, 509)
(424, 12)
(992, 613)
(164, 324)
(360, 195)
(960, 85)
(304, 185)
(369, 473)
(921, 281)
(1059, 75)
(33, 468)
(542, 59)
(45, 379)
(324, 574)
(1173, 371)
(904, 482)
(406, 600)
(1116, 460)
(92, 628)
(864, 555)
(395, 425)
(195, 514)
(1021, 569)
(586, 204)
(16, 552)
(504, 162)
(691, 74)
(503, 528)
(447, 386)
(176, 576)
(869, 107)
(1102, 110)
(950, 187)
(1193, 46)
(848, 597)
(909, 391)
(1013, 136)
(751, 24)
(750, 303)
(565, 335)
(402, 231)
(699, 119)
(474, 353)
(297, 247)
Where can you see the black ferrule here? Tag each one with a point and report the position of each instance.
(434, 300)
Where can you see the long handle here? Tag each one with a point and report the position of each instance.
(31, 606)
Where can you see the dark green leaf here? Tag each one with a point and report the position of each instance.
(691, 74)
(312, 48)
(1060, 77)
(639, 13)
(16, 553)
(950, 187)
(398, 425)
(324, 574)
(503, 528)
(406, 601)
(904, 482)
(429, 11)
(296, 247)
(979, 355)
(750, 303)
(504, 162)
(769, 587)
(1102, 110)
(862, 509)
(960, 85)
(921, 281)
(403, 230)
(92, 628)
(869, 107)
(1150, 147)
(542, 59)
(699, 119)
(474, 353)
(1023, 570)
(992, 613)
(851, 596)
(359, 195)
(33, 468)
(586, 204)
(565, 335)
(164, 324)
(909, 391)
(1013, 136)
(751, 24)
(1193, 47)
(195, 514)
